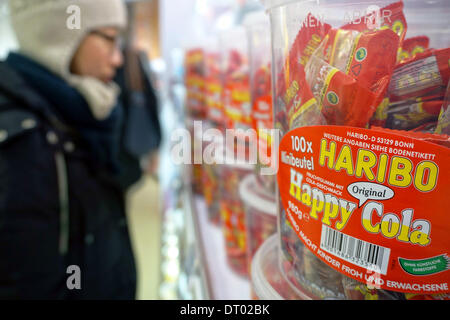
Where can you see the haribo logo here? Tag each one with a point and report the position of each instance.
(332, 98)
(361, 54)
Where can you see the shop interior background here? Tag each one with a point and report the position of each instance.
(160, 227)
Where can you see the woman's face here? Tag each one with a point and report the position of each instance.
(98, 55)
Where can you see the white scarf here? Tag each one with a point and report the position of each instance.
(100, 97)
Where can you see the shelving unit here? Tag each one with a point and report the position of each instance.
(225, 284)
(193, 256)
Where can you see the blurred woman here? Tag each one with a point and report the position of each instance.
(63, 228)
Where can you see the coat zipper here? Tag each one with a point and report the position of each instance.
(63, 190)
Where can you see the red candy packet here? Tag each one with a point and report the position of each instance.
(237, 107)
(380, 115)
(262, 111)
(420, 75)
(301, 106)
(307, 41)
(413, 46)
(369, 57)
(213, 89)
(300, 102)
(342, 100)
(409, 116)
(236, 93)
(195, 81)
(412, 296)
(428, 127)
(443, 125)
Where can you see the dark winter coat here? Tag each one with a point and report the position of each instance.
(57, 208)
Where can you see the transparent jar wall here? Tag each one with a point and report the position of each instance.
(234, 40)
(259, 48)
(423, 18)
(211, 192)
(232, 215)
(303, 270)
(260, 215)
(202, 137)
(260, 226)
(268, 283)
(194, 79)
(261, 95)
(211, 173)
(235, 72)
(213, 85)
(196, 169)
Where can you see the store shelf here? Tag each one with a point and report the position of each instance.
(225, 284)
(202, 271)
(195, 253)
(182, 269)
(221, 283)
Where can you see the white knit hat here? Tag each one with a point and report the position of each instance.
(43, 35)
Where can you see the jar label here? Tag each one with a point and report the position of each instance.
(370, 204)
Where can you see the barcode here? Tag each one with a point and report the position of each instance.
(356, 251)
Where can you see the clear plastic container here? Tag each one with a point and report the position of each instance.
(196, 168)
(211, 175)
(268, 282)
(398, 83)
(258, 30)
(194, 63)
(235, 69)
(194, 80)
(260, 214)
(232, 214)
(211, 192)
(214, 84)
(204, 137)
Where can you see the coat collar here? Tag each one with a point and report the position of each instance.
(15, 88)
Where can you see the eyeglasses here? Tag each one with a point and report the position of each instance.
(116, 41)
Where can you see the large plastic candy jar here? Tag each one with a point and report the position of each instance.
(232, 215)
(260, 212)
(360, 97)
(268, 282)
(235, 67)
(258, 31)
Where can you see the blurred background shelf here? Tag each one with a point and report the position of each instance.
(225, 284)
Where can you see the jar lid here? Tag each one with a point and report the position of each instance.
(261, 286)
(268, 281)
(247, 191)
